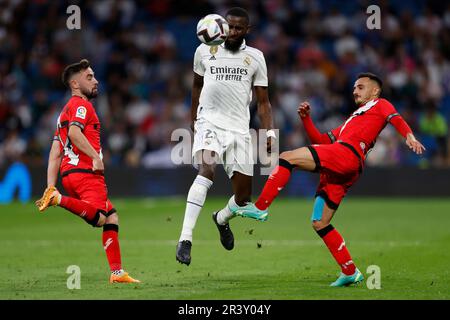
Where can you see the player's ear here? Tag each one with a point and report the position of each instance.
(73, 83)
(249, 27)
(377, 91)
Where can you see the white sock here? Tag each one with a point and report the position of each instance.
(58, 200)
(225, 214)
(195, 200)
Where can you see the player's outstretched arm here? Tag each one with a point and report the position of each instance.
(414, 144)
(304, 111)
(403, 128)
(81, 142)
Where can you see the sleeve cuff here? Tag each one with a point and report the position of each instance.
(78, 124)
(388, 119)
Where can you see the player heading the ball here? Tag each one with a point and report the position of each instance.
(224, 76)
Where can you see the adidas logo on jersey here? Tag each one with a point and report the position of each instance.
(212, 58)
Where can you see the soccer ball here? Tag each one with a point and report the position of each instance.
(212, 29)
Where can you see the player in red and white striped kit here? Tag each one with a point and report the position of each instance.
(338, 156)
(76, 153)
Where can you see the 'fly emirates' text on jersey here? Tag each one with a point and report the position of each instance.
(81, 113)
(227, 84)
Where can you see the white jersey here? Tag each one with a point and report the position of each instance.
(227, 84)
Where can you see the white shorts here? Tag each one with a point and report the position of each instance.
(235, 150)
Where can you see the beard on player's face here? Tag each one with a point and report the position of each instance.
(358, 100)
(235, 44)
(90, 94)
(361, 97)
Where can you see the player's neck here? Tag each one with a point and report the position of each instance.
(368, 100)
(80, 95)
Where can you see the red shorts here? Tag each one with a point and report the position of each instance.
(90, 188)
(339, 168)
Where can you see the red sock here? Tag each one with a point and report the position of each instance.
(111, 245)
(336, 245)
(80, 208)
(276, 182)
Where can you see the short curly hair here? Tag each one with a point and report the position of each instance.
(238, 12)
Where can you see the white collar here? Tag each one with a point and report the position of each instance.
(371, 103)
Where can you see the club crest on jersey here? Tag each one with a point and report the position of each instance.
(81, 112)
(247, 61)
(213, 50)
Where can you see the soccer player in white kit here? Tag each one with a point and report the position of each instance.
(221, 94)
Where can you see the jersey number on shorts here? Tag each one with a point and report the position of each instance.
(209, 135)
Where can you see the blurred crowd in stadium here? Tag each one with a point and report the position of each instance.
(142, 52)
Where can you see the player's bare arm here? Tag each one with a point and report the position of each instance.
(414, 144)
(54, 161)
(404, 129)
(81, 142)
(197, 86)
(264, 111)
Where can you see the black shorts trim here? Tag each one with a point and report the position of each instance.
(352, 149)
(66, 173)
(110, 212)
(286, 164)
(332, 205)
(316, 158)
(349, 146)
(94, 221)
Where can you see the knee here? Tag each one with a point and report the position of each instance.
(112, 219)
(286, 155)
(319, 224)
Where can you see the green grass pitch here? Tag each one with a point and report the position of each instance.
(282, 259)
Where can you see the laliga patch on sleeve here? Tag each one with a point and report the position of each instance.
(81, 112)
